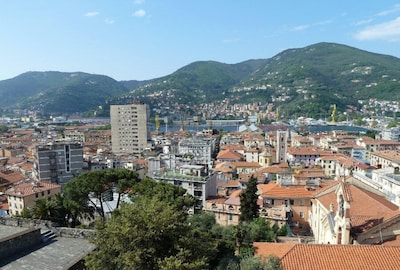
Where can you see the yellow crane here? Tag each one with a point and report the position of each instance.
(277, 115)
(157, 121)
(333, 115)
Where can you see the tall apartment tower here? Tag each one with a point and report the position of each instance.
(58, 162)
(281, 145)
(130, 133)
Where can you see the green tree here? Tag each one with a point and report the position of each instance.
(42, 209)
(162, 191)
(254, 263)
(3, 128)
(249, 208)
(392, 123)
(149, 234)
(91, 186)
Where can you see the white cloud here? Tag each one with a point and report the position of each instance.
(138, 2)
(389, 31)
(300, 27)
(109, 21)
(92, 14)
(363, 22)
(389, 11)
(139, 13)
(232, 40)
(324, 22)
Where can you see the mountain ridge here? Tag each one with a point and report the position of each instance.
(302, 80)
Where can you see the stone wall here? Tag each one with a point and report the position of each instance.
(18, 242)
(47, 225)
(27, 223)
(73, 232)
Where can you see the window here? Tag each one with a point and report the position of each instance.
(230, 217)
(37, 195)
(291, 202)
(302, 203)
(272, 202)
(301, 214)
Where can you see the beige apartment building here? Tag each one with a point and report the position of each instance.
(130, 133)
(26, 194)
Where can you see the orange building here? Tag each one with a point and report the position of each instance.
(26, 194)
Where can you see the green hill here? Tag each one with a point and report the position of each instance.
(58, 92)
(302, 81)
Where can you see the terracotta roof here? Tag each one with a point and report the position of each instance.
(245, 164)
(31, 187)
(229, 183)
(233, 147)
(274, 190)
(234, 198)
(391, 155)
(264, 250)
(272, 169)
(304, 150)
(223, 167)
(229, 154)
(327, 257)
(10, 177)
(366, 208)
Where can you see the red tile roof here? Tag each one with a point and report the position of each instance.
(365, 206)
(331, 257)
(274, 190)
(229, 154)
(31, 187)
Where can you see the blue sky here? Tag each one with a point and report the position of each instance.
(146, 39)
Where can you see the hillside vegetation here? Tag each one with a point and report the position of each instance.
(303, 81)
(58, 92)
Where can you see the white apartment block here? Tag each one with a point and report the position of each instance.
(193, 178)
(200, 150)
(130, 133)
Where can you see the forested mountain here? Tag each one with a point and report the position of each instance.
(305, 80)
(58, 92)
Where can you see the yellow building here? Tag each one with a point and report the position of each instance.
(26, 194)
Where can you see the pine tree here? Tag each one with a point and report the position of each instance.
(248, 201)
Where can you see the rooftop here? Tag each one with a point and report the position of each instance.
(58, 253)
(349, 257)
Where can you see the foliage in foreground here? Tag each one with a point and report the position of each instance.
(156, 232)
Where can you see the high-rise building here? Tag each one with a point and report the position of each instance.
(130, 133)
(281, 145)
(58, 162)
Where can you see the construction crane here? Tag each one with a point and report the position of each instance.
(157, 121)
(277, 115)
(333, 115)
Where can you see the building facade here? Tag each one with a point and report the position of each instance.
(193, 178)
(26, 194)
(130, 133)
(58, 162)
(200, 149)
